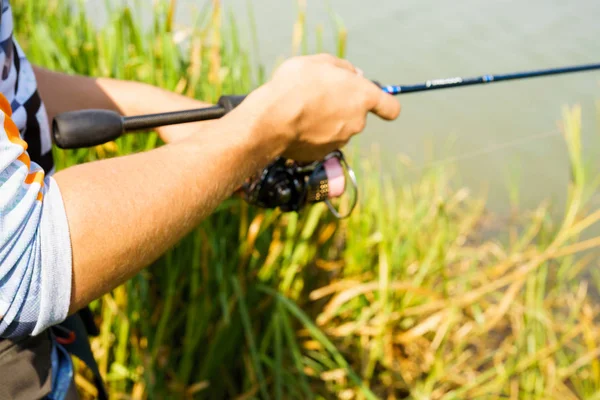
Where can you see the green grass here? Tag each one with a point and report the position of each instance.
(421, 294)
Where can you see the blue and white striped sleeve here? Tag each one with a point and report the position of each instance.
(35, 247)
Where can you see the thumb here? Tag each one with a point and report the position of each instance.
(383, 104)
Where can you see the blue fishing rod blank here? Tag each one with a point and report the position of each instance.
(458, 81)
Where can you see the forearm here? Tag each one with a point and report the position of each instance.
(63, 92)
(125, 212)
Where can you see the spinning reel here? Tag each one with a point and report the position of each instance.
(291, 186)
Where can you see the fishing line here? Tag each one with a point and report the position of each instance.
(445, 83)
(485, 150)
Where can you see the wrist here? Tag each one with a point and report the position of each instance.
(263, 127)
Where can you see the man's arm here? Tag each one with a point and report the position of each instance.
(64, 92)
(124, 212)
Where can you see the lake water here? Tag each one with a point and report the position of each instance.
(492, 129)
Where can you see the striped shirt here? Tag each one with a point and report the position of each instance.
(35, 252)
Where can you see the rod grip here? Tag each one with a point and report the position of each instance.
(230, 102)
(86, 128)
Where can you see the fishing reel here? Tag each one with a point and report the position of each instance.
(290, 186)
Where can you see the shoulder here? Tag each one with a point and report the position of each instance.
(19, 86)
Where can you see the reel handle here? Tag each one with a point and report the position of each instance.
(88, 128)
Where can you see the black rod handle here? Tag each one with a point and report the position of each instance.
(151, 121)
(87, 128)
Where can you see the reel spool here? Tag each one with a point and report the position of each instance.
(287, 185)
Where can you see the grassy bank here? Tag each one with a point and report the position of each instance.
(420, 294)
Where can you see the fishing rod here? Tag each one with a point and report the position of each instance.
(87, 128)
(284, 184)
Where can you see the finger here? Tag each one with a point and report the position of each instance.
(338, 62)
(383, 104)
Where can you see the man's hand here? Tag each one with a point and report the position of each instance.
(315, 104)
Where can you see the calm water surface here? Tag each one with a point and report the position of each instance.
(492, 130)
